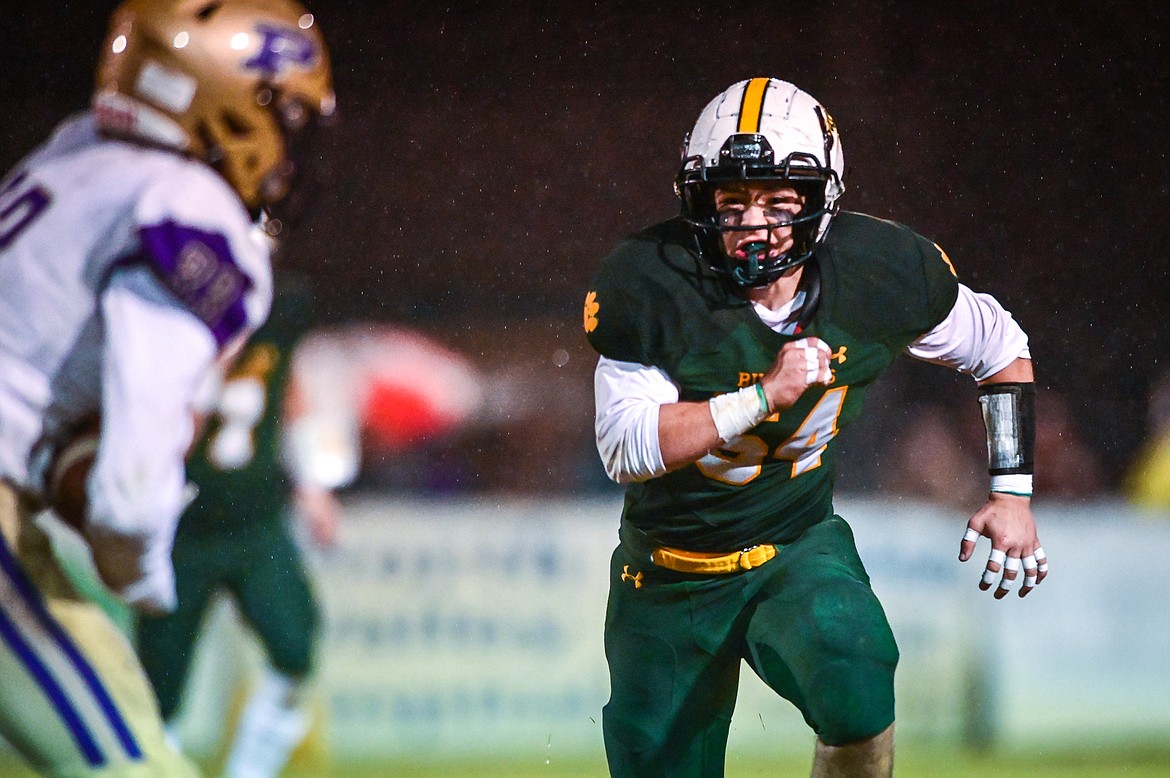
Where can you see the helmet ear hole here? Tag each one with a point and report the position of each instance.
(207, 11)
(213, 152)
(235, 124)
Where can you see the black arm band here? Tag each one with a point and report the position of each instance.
(1009, 416)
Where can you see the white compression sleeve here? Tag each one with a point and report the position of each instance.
(978, 337)
(628, 395)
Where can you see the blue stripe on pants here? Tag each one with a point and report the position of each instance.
(52, 690)
(34, 602)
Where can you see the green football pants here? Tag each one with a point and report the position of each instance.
(264, 573)
(807, 622)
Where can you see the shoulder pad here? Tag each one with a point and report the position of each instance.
(199, 268)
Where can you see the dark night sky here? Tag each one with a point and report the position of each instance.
(488, 158)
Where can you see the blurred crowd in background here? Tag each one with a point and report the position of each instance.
(510, 412)
(485, 160)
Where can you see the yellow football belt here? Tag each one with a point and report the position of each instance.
(712, 564)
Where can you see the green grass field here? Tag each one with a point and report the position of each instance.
(1136, 762)
(1140, 760)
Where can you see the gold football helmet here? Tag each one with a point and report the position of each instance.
(235, 83)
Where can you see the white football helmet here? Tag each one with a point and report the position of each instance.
(239, 84)
(762, 129)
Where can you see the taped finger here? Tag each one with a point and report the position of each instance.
(971, 535)
(812, 364)
(1029, 571)
(994, 566)
(1041, 560)
(827, 353)
(1011, 569)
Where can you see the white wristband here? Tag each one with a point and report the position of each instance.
(1017, 483)
(735, 413)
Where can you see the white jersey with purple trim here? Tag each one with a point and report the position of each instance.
(124, 271)
(75, 211)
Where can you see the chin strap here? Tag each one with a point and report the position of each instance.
(810, 284)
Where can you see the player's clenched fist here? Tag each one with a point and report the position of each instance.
(799, 365)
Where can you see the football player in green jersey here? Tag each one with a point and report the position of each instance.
(736, 341)
(235, 537)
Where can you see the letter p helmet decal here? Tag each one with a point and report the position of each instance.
(280, 49)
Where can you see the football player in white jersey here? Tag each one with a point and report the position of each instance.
(131, 262)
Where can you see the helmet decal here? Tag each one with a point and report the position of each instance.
(828, 129)
(827, 120)
(280, 49)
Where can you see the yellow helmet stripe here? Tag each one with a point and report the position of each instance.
(753, 105)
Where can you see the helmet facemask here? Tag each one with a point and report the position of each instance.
(762, 265)
(290, 188)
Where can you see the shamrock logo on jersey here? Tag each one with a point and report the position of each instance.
(591, 309)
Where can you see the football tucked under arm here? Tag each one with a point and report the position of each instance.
(69, 474)
(154, 356)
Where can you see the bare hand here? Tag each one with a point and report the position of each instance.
(322, 510)
(1007, 520)
(799, 365)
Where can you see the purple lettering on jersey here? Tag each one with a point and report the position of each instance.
(18, 209)
(282, 47)
(198, 267)
(19, 177)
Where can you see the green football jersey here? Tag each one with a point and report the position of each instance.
(237, 463)
(654, 301)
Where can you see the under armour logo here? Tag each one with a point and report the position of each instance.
(839, 354)
(636, 577)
